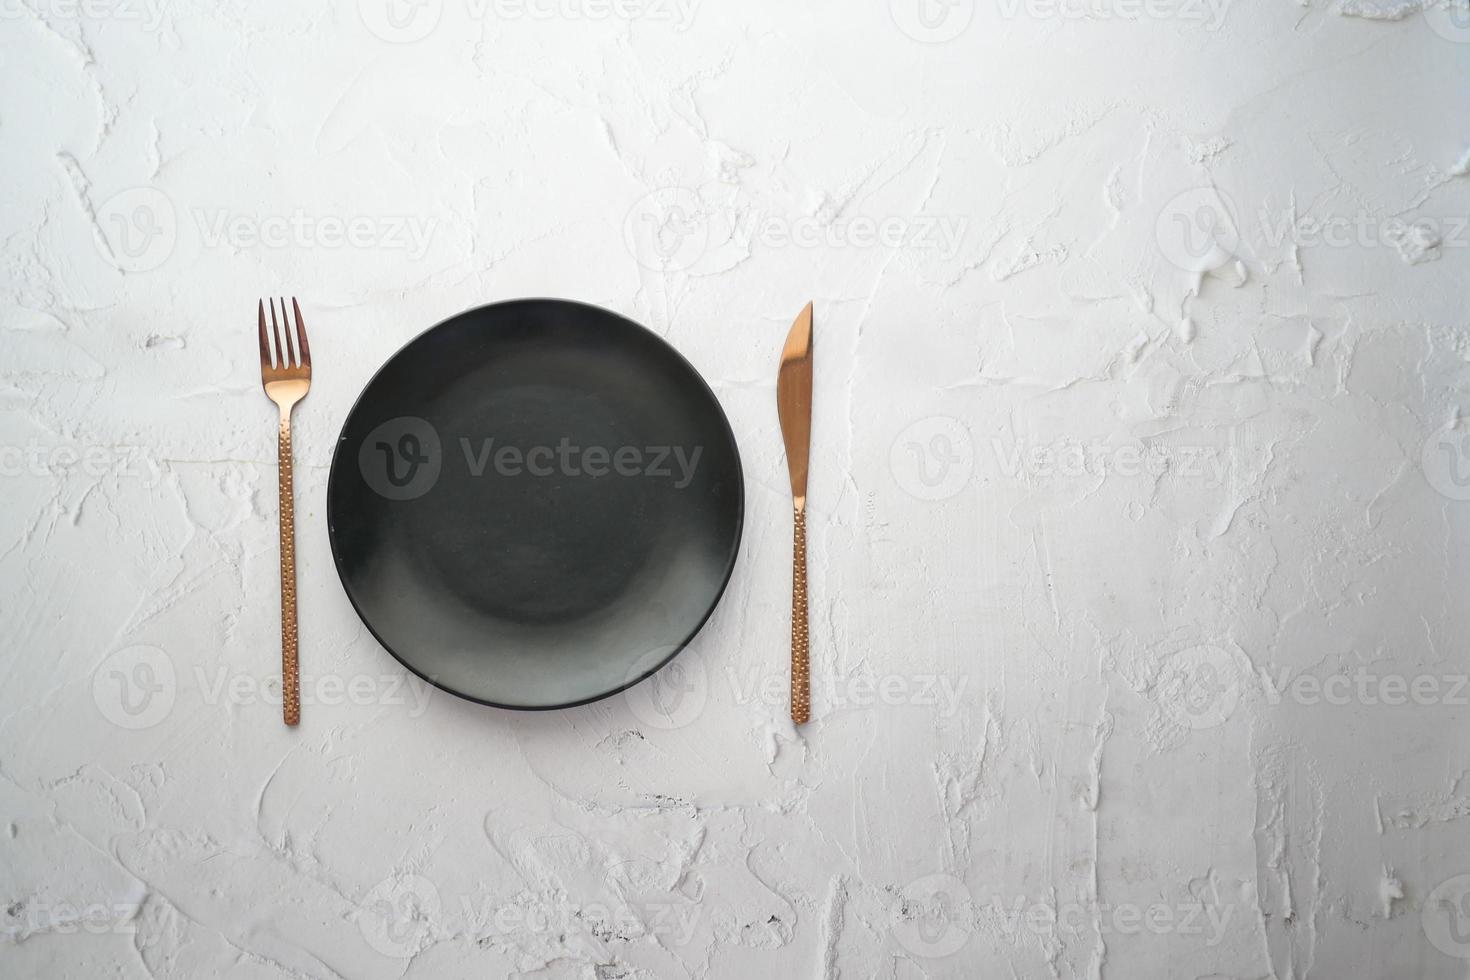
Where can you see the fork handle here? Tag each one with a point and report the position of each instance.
(290, 667)
(801, 681)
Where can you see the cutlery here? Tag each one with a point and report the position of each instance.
(286, 378)
(794, 406)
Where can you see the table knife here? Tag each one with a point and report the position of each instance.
(794, 406)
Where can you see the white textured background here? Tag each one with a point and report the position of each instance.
(1137, 565)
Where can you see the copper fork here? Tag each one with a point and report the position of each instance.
(286, 378)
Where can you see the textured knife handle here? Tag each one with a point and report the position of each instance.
(290, 667)
(801, 679)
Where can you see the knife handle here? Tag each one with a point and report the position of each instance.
(801, 680)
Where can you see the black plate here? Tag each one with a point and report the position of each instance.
(535, 504)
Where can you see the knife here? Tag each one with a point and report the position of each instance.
(794, 406)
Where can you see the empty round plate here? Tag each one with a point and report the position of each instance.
(535, 504)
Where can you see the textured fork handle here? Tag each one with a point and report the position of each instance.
(290, 667)
(801, 679)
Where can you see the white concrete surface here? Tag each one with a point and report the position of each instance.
(1139, 504)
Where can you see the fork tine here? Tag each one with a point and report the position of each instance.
(290, 347)
(275, 329)
(265, 344)
(301, 331)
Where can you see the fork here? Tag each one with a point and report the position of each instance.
(286, 378)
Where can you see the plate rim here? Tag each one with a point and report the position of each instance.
(730, 562)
